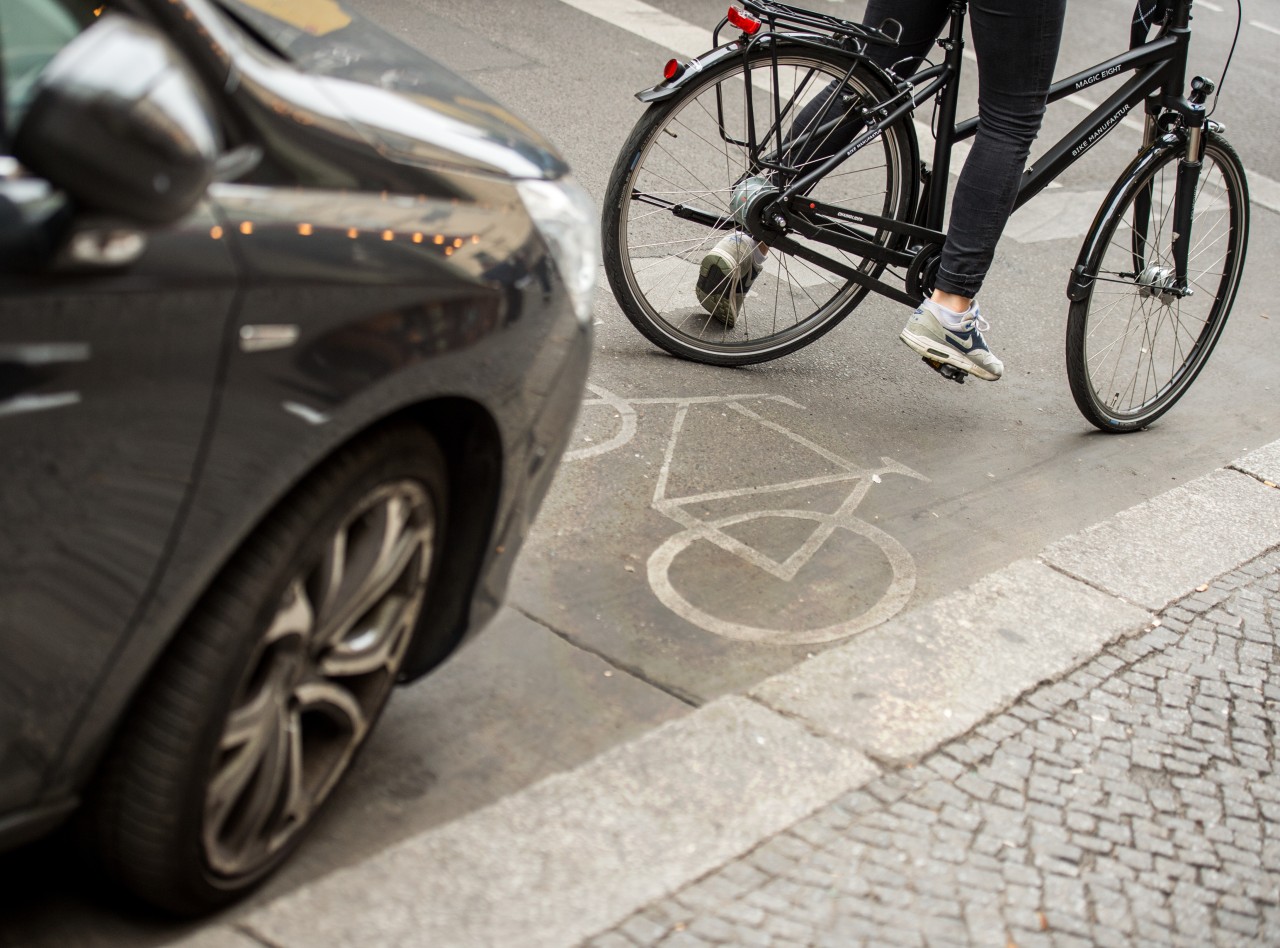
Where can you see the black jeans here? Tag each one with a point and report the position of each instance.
(1016, 42)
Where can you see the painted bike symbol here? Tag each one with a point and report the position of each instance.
(680, 509)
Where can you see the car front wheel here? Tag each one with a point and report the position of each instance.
(259, 706)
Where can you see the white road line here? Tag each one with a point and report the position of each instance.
(1206, 5)
(1264, 191)
(1266, 27)
(653, 24)
(688, 39)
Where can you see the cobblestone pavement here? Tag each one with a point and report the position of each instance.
(1136, 801)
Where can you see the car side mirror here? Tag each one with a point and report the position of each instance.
(119, 122)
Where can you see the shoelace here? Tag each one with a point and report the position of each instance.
(968, 323)
(975, 320)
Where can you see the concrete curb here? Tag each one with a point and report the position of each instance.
(1160, 550)
(579, 852)
(900, 690)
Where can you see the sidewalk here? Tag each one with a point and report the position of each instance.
(1076, 750)
(1134, 802)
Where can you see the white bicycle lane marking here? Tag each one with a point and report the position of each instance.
(714, 531)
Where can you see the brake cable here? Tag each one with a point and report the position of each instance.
(1217, 92)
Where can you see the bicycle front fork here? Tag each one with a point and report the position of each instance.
(1188, 179)
(1184, 207)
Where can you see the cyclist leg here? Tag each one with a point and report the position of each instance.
(1016, 43)
(922, 21)
(730, 268)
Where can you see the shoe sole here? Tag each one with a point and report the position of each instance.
(723, 308)
(930, 349)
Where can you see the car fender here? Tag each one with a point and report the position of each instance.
(508, 397)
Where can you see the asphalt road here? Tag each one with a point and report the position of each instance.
(620, 615)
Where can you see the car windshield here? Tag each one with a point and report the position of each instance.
(31, 33)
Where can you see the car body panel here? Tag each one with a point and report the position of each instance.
(373, 278)
(108, 379)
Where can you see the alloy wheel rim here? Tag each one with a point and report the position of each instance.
(321, 671)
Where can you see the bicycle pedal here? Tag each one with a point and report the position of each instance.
(946, 370)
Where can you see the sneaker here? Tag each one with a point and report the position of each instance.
(727, 272)
(963, 347)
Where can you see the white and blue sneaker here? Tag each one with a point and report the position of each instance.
(932, 333)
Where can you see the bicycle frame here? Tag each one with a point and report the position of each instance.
(1160, 65)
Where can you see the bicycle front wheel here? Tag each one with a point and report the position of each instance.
(692, 151)
(1133, 347)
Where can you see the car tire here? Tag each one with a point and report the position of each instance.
(258, 707)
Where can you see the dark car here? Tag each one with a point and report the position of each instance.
(294, 325)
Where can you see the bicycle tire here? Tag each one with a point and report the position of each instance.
(1124, 320)
(811, 301)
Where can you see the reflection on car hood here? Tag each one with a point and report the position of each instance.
(440, 118)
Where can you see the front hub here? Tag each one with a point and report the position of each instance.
(1159, 282)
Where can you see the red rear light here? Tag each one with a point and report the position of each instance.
(672, 70)
(748, 24)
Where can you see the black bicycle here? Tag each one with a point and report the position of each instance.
(722, 148)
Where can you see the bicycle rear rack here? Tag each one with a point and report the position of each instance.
(780, 16)
(816, 30)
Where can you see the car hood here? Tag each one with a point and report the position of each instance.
(402, 100)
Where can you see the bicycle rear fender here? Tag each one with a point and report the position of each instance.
(669, 87)
(1079, 282)
(699, 64)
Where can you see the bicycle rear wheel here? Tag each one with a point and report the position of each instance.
(690, 151)
(1133, 349)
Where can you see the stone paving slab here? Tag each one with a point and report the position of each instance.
(903, 688)
(579, 851)
(1160, 550)
(1134, 802)
(1264, 464)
